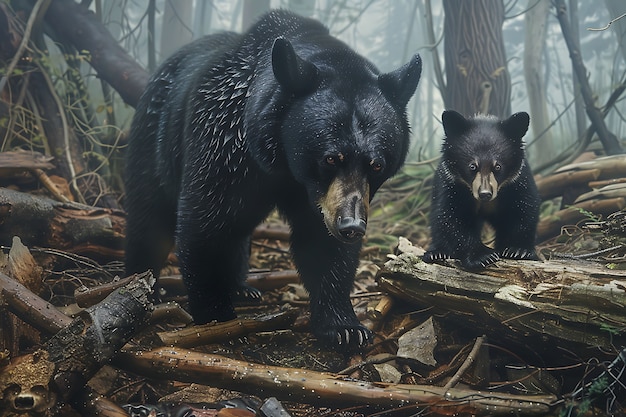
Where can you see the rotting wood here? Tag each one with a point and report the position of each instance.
(609, 166)
(552, 186)
(320, 388)
(560, 301)
(219, 332)
(551, 225)
(31, 308)
(72, 227)
(22, 160)
(173, 284)
(76, 352)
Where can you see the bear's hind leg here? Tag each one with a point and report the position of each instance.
(150, 225)
(240, 290)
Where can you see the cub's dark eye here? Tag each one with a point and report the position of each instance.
(331, 160)
(376, 166)
(497, 167)
(473, 166)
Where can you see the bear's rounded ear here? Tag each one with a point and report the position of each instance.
(292, 72)
(516, 126)
(399, 85)
(454, 124)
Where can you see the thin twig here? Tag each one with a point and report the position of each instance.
(468, 362)
(66, 135)
(608, 24)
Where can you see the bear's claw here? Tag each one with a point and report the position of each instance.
(346, 338)
(244, 292)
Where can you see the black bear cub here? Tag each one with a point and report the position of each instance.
(483, 177)
(230, 127)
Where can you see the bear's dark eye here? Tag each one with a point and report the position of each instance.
(376, 166)
(497, 166)
(331, 160)
(473, 166)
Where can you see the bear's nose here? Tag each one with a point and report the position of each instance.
(351, 228)
(485, 195)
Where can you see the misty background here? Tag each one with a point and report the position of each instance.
(388, 32)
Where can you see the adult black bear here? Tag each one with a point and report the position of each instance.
(483, 176)
(232, 126)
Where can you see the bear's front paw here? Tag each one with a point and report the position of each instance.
(244, 293)
(480, 260)
(519, 253)
(345, 338)
(434, 256)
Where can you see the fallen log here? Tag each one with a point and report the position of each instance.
(173, 284)
(321, 388)
(63, 365)
(21, 160)
(552, 186)
(72, 227)
(543, 304)
(550, 226)
(609, 166)
(232, 329)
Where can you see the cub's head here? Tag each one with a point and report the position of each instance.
(344, 130)
(483, 152)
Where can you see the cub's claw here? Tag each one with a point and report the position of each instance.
(481, 260)
(519, 253)
(434, 256)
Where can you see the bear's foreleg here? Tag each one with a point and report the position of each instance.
(327, 268)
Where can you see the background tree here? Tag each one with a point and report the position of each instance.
(477, 78)
(536, 20)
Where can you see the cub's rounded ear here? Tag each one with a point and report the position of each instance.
(399, 85)
(454, 124)
(516, 126)
(292, 72)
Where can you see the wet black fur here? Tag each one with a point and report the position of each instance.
(232, 126)
(457, 218)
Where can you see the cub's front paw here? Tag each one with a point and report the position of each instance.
(519, 253)
(480, 259)
(345, 338)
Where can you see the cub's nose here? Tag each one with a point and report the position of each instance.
(485, 195)
(350, 228)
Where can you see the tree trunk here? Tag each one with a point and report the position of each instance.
(609, 140)
(477, 78)
(579, 104)
(534, 43)
(82, 28)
